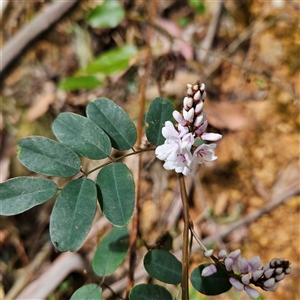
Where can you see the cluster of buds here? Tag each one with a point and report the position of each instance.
(180, 150)
(248, 272)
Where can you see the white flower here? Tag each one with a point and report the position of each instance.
(209, 270)
(204, 153)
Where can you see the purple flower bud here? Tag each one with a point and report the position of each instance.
(270, 282)
(266, 266)
(287, 270)
(246, 279)
(272, 288)
(268, 273)
(179, 118)
(243, 265)
(279, 277)
(236, 284)
(209, 270)
(278, 271)
(198, 121)
(212, 137)
(254, 294)
(198, 108)
(228, 263)
(197, 96)
(235, 254)
(208, 253)
(257, 274)
(222, 254)
(202, 87)
(254, 263)
(187, 103)
(203, 96)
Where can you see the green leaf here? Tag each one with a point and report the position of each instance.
(45, 156)
(160, 111)
(198, 5)
(149, 292)
(78, 83)
(22, 193)
(116, 193)
(88, 292)
(82, 135)
(114, 121)
(108, 15)
(214, 284)
(163, 266)
(111, 251)
(112, 61)
(73, 214)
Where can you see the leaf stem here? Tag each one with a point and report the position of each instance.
(185, 248)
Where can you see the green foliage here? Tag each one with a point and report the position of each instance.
(22, 193)
(198, 5)
(111, 251)
(149, 292)
(112, 61)
(108, 15)
(114, 121)
(116, 193)
(163, 266)
(79, 82)
(82, 135)
(160, 111)
(73, 214)
(89, 292)
(214, 284)
(45, 156)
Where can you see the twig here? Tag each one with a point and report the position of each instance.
(42, 22)
(185, 247)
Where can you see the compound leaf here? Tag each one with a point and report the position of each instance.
(82, 135)
(73, 214)
(48, 157)
(116, 193)
(163, 266)
(160, 111)
(22, 193)
(111, 251)
(114, 121)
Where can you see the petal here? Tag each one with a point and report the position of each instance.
(236, 284)
(212, 137)
(209, 270)
(254, 294)
(254, 263)
(179, 117)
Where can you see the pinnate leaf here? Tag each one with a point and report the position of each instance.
(48, 157)
(22, 193)
(116, 193)
(149, 292)
(163, 266)
(114, 121)
(88, 292)
(160, 111)
(111, 251)
(73, 214)
(82, 135)
(214, 284)
(107, 15)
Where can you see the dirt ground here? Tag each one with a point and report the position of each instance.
(252, 77)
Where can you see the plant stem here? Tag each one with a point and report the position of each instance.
(185, 248)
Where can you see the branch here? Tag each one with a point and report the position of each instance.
(42, 22)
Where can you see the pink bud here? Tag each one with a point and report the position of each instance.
(228, 263)
(257, 274)
(179, 118)
(198, 108)
(235, 254)
(254, 294)
(187, 103)
(208, 253)
(197, 96)
(203, 96)
(202, 128)
(236, 284)
(268, 273)
(212, 137)
(254, 263)
(222, 254)
(198, 121)
(270, 282)
(202, 87)
(189, 91)
(243, 265)
(246, 279)
(209, 270)
(189, 115)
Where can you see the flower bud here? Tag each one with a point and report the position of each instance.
(195, 87)
(272, 288)
(269, 283)
(246, 279)
(209, 270)
(202, 87)
(287, 270)
(203, 96)
(222, 254)
(243, 265)
(198, 121)
(278, 271)
(189, 86)
(189, 115)
(279, 277)
(179, 118)
(208, 253)
(189, 92)
(254, 294)
(235, 254)
(257, 274)
(268, 273)
(254, 264)
(236, 284)
(197, 96)
(187, 103)
(198, 108)
(212, 137)
(228, 263)
(266, 266)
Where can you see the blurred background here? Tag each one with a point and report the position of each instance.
(58, 56)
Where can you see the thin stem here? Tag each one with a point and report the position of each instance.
(185, 248)
(197, 238)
